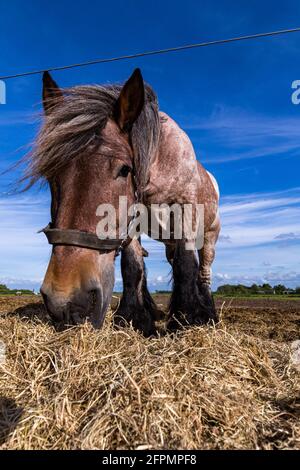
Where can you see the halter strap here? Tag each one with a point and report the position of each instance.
(71, 237)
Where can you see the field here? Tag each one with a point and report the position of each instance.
(234, 386)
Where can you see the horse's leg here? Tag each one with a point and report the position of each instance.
(206, 258)
(136, 305)
(170, 252)
(188, 305)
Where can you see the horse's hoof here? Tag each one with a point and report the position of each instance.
(140, 320)
(200, 318)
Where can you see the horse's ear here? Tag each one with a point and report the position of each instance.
(130, 102)
(51, 93)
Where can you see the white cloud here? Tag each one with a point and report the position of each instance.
(23, 252)
(238, 135)
(291, 279)
(21, 283)
(257, 219)
(288, 236)
(224, 238)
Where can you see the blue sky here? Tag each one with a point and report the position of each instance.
(234, 102)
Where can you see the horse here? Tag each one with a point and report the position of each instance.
(96, 144)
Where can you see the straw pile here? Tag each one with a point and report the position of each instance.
(208, 388)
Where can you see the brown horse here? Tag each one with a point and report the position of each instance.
(99, 143)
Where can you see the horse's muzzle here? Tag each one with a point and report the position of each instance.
(81, 306)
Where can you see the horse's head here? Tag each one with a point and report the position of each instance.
(86, 154)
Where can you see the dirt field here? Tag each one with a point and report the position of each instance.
(235, 386)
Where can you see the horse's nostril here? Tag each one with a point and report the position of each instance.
(56, 313)
(93, 297)
(95, 310)
(94, 300)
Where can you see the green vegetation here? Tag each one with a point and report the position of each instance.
(4, 290)
(264, 290)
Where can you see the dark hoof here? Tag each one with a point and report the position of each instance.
(175, 323)
(196, 316)
(207, 297)
(159, 314)
(139, 318)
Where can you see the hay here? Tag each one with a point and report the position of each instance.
(208, 388)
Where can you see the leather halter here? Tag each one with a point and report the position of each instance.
(72, 237)
(56, 236)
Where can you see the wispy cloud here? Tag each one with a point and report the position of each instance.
(288, 236)
(257, 219)
(21, 283)
(241, 136)
(224, 238)
(291, 278)
(23, 252)
(264, 247)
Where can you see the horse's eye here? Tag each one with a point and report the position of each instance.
(124, 171)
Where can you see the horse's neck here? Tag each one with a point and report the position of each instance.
(173, 170)
(177, 177)
(174, 142)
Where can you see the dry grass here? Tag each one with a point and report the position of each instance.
(209, 388)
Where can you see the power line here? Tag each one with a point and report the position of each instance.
(156, 52)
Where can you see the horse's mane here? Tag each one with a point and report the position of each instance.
(74, 127)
